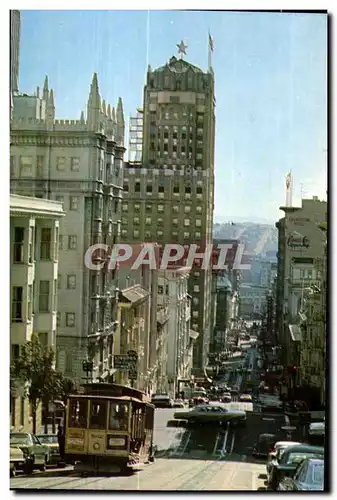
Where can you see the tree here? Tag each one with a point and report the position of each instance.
(35, 366)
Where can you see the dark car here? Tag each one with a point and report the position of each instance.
(264, 444)
(290, 460)
(309, 476)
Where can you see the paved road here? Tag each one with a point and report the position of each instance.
(203, 461)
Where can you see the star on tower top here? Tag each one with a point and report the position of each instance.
(181, 48)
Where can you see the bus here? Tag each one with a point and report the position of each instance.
(108, 428)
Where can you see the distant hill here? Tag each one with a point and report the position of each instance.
(258, 238)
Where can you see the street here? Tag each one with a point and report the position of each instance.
(183, 463)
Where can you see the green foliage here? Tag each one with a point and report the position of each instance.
(35, 366)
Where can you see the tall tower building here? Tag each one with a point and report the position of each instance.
(15, 21)
(169, 196)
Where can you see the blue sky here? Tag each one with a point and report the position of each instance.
(271, 87)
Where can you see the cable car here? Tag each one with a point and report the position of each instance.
(108, 428)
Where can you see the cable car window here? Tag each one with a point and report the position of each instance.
(98, 414)
(78, 413)
(119, 416)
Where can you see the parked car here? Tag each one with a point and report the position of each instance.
(36, 454)
(178, 403)
(264, 444)
(277, 451)
(226, 397)
(245, 398)
(17, 460)
(161, 401)
(213, 413)
(51, 441)
(289, 461)
(309, 476)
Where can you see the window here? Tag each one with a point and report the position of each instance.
(74, 164)
(22, 411)
(98, 414)
(19, 235)
(187, 209)
(195, 326)
(176, 190)
(26, 166)
(161, 189)
(136, 221)
(72, 242)
(147, 234)
(60, 242)
(196, 288)
(119, 416)
(39, 166)
(160, 208)
(71, 281)
(124, 232)
(43, 338)
(30, 302)
(148, 221)
(199, 209)
(160, 290)
(195, 314)
(58, 319)
(17, 304)
(60, 163)
(74, 203)
(186, 222)
(78, 413)
(195, 301)
(44, 296)
(175, 209)
(186, 235)
(12, 166)
(137, 187)
(136, 233)
(45, 243)
(199, 190)
(137, 207)
(159, 233)
(125, 207)
(175, 222)
(198, 222)
(125, 188)
(70, 319)
(148, 207)
(15, 351)
(196, 274)
(198, 235)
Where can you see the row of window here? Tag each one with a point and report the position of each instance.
(160, 234)
(70, 281)
(44, 303)
(160, 208)
(177, 189)
(160, 221)
(27, 164)
(167, 113)
(45, 244)
(70, 319)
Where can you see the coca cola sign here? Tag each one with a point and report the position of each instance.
(296, 240)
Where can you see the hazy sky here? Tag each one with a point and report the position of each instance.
(271, 87)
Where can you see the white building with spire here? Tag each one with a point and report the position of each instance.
(80, 163)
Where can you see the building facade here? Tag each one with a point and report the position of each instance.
(300, 320)
(173, 290)
(15, 31)
(34, 261)
(169, 196)
(79, 163)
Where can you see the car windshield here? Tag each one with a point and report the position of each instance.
(317, 474)
(20, 439)
(298, 457)
(47, 439)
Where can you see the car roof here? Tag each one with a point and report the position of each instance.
(280, 444)
(305, 447)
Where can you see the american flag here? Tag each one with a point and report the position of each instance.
(210, 42)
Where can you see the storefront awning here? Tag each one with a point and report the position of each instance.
(193, 334)
(296, 333)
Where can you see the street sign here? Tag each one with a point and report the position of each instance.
(124, 363)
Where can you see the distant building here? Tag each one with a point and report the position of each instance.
(34, 256)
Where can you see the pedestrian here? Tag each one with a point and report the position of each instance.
(61, 441)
